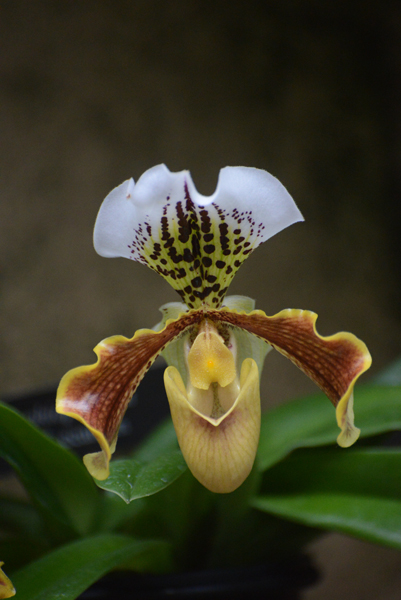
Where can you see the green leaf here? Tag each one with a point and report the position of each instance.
(131, 479)
(161, 440)
(355, 491)
(17, 516)
(154, 466)
(55, 479)
(311, 421)
(68, 571)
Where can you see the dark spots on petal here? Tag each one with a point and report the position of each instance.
(207, 262)
(224, 239)
(216, 287)
(176, 258)
(229, 270)
(188, 256)
(188, 289)
(220, 264)
(239, 240)
(222, 292)
(209, 248)
(181, 273)
(196, 282)
(237, 231)
(205, 221)
(164, 227)
(208, 237)
(184, 227)
(195, 245)
(227, 252)
(163, 261)
(211, 278)
(192, 298)
(237, 250)
(237, 263)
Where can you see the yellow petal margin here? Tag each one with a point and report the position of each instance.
(219, 452)
(98, 395)
(334, 362)
(7, 589)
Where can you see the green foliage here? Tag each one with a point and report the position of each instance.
(68, 571)
(132, 479)
(70, 532)
(355, 491)
(153, 467)
(310, 421)
(54, 478)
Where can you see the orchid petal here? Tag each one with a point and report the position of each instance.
(195, 242)
(7, 589)
(220, 451)
(98, 395)
(334, 362)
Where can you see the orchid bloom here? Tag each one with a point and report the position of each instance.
(214, 346)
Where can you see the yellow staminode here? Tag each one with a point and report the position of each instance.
(210, 361)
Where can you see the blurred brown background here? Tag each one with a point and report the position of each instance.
(94, 92)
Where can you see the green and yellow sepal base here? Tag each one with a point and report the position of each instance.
(7, 589)
(213, 439)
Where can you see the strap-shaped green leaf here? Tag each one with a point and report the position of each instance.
(68, 571)
(355, 491)
(54, 478)
(310, 421)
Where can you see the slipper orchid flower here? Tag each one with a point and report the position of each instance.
(214, 346)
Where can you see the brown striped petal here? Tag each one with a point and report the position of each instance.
(334, 362)
(98, 395)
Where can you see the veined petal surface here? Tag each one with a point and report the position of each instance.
(195, 242)
(98, 394)
(220, 452)
(334, 362)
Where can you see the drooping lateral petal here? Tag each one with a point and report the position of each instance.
(195, 242)
(7, 589)
(98, 394)
(219, 452)
(334, 362)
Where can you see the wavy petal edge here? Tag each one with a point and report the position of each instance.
(333, 362)
(98, 395)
